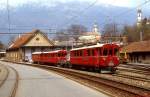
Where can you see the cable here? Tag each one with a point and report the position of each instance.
(126, 12)
(81, 12)
(59, 34)
(46, 28)
(8, 16)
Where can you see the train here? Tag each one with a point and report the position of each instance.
(98, 57)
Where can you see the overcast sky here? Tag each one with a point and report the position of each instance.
(122, 3)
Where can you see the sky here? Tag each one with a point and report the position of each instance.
(122, 3)
(32, 17)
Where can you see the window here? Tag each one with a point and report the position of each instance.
(75, 53)
(81, 53)
(55, 55)
(115, 51)
(105, 51)
(92, 52)
(59, 54)
(100, 51)
(78, 53)
(37, 39)
(88, 52)
(110, 51)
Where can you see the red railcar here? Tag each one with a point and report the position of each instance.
(53, 57)
(36, 57)
(101, 56)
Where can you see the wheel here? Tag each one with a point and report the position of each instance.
(113, 70)
(98, 70)
(58, 65)
(69, 65)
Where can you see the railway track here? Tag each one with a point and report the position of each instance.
(134, 76)
(14, 90)
(136, 72)
(10, 83)
(120, 68)
(4, 74)
(144, 68)
(111, 87)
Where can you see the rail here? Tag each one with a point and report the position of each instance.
(112, 87)
(14, 90)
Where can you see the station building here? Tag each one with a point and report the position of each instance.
(138, 51)
(26, 44)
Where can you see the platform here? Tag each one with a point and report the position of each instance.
(35, 82)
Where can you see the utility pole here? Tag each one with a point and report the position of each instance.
(141, 35)
(8, 15)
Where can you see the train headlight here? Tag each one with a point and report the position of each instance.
(104, 59)
(110, 63)
(117, 58)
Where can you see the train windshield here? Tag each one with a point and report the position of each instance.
(116, 51)
(110, 51)
(105, 52)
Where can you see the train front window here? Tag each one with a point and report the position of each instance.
(110, 51)
(115, 51)
(105, 51)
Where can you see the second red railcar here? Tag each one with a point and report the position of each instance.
(53, 57)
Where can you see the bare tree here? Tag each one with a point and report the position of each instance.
(132, 32)
(110, 29)
(73, 31)
(61, 35)
(111, 32)
(76, 30)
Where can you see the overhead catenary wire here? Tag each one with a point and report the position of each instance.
(64, 24)
(128, 11)
(58, 34)
(81, 12)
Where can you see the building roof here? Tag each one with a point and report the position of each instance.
(142, 46)
(23, 39)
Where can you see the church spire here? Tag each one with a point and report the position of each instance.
(95, 28)
(139, 16)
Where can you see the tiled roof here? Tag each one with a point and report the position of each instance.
(23, 39)
(142, 46)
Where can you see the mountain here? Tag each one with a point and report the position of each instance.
(29, 16)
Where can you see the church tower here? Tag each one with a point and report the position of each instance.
(95, 28)
(96, 31)
(139, 16)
